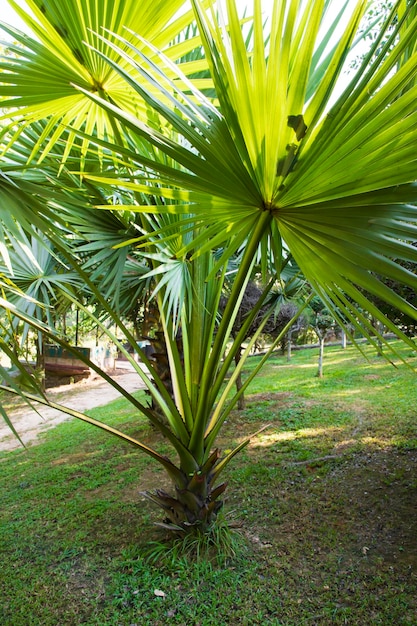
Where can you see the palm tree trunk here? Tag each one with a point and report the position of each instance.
(196, 505)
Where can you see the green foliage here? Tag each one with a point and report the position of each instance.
(278, 165)
(62, 51)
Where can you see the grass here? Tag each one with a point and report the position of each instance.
(326, 499)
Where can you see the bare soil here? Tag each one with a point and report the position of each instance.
(84, 395)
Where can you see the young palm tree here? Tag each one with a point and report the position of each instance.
(43, 280)
(276, 161)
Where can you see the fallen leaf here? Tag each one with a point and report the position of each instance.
(159, 593)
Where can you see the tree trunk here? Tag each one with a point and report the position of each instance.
(152, 331)
(321, 355)
(77, 323)
(196, 505)
(378, 331)
(40, 358)
(289, 340)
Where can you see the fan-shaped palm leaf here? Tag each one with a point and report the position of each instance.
(337, 184)
(38, 73)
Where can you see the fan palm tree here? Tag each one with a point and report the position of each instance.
(41, 277)
(277, 161)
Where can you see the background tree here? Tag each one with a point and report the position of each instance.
(322, 322)
(34, 267)
(400, 319)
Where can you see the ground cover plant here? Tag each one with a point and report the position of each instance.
(325, 500)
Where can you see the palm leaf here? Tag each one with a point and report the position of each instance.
(325, 197)
(40, 71)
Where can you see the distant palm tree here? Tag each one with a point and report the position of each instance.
(43, 279)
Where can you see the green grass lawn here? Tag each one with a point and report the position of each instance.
(326, 499)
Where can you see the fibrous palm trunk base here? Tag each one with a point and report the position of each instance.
(196, 503)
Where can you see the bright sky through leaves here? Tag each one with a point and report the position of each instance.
(9, 16)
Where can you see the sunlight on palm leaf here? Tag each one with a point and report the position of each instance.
(329, 178)
(38, 70)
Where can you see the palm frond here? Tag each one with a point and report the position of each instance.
(42, 69)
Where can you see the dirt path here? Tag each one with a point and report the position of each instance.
(82, 396)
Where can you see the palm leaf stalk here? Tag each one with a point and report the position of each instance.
(270, 165)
